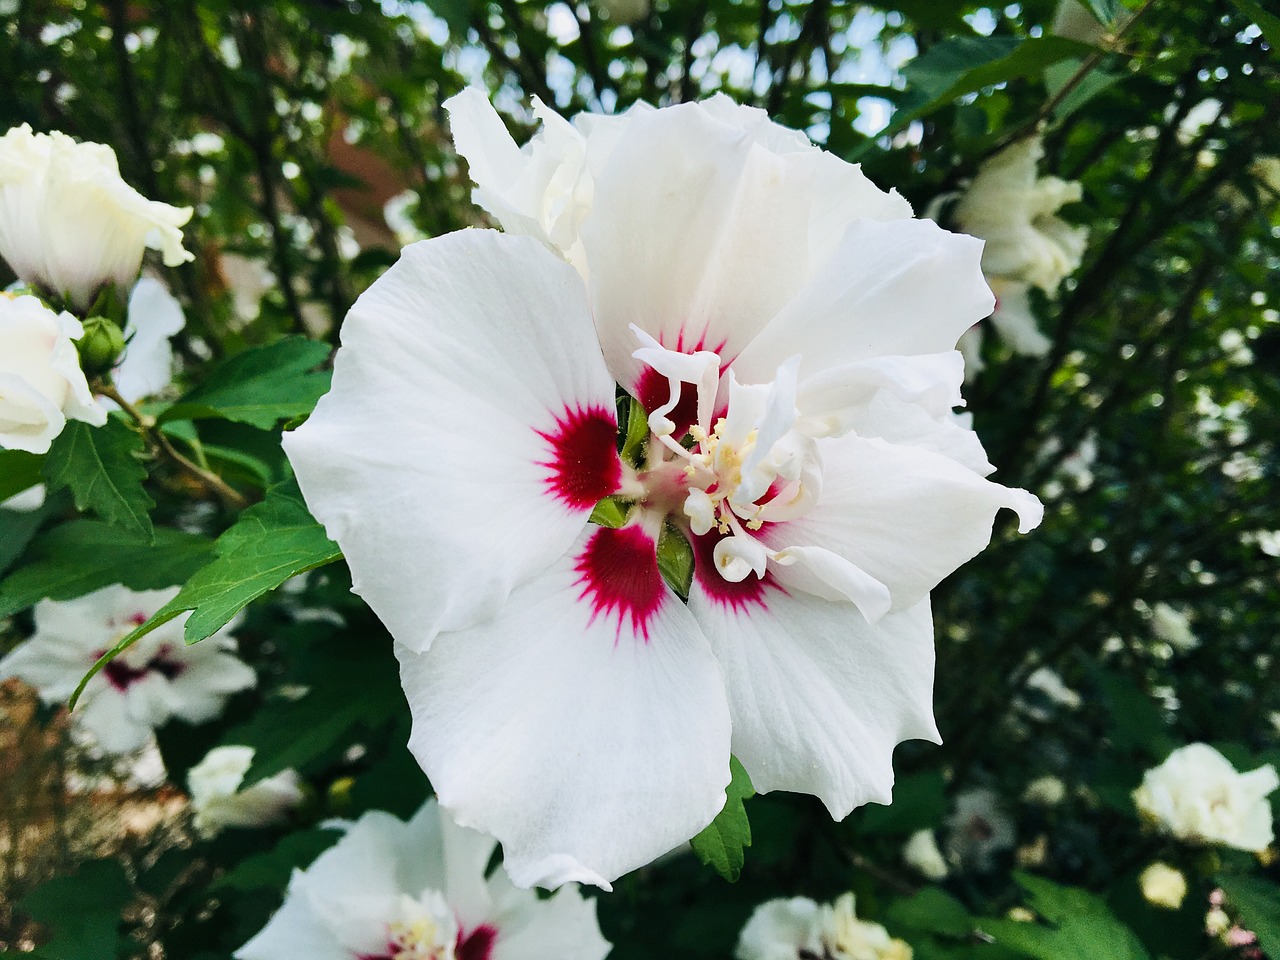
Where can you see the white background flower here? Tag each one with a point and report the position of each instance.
(762, 280)
(799, 928)
(68, 222)
(146, 366)
(41, 383)
(1198, 796)
(218, 802)
(156, 679)
(419, 887)
(922, 854)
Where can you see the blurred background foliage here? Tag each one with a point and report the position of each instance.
(310, 137)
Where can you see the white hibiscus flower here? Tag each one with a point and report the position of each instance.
(1198, 796)
(41, 383)
(800, 929)
(390, 890)
(69, 224)
(158, 678)
(790, 332)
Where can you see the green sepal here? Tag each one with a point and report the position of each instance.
(675, 560)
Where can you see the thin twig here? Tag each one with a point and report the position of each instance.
(230, 496)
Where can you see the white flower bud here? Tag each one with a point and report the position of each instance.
(921, 853)
(68, 222)
(219, 802)
(41, 383)
(1163, 885)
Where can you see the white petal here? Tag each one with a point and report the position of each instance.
(697, 235)
(564, 927)
(146, 367)
(904, 515)
(902, 287)
(819, 697)
(295, 930)
(444, 460)
(584, 726)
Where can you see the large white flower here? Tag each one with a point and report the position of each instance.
(789, 330)
(68, 222)
(218, 802)
(800, 929)
(1198, 796)
(41, 383)
(156, 679)
(390, 890)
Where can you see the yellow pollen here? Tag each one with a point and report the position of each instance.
(754, 524)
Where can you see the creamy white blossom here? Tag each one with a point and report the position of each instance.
(1013, 209)
(1045, 791)
(391, 890)
(794, 327)
(1198, 796)
(1163, 885)
(1173, 626)
(800, 928)
(158, 678)
(69, 224)
(41, 383)
(218, 802)
(922, 854)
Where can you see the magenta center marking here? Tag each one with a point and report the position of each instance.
(618, 571)
(583, 465)
(740, 596)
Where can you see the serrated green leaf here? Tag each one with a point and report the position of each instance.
(675, 560)
(19, 471)
(100, 465)
(270, 542)
(85, 555)
(82, 910)
(1079, 926)
(722, 845)
(1258, 901)
(261, 386)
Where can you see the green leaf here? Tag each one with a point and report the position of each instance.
(19, 471)
(1258, 901)
(261, 386)
(1091, 84)
(101, 467)
(933, 911)
(83, 910)
(1268, 23)
(919, 803)
(1079, 926)
(332, 717)
(270, 542)
(270, 871)
(1104, 10)
(722, 845)
(675, 560)
(86, 555)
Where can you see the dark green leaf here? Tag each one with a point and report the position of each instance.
(18, 471)
(86, 555)
(919, 802)
(1105, 10)
(261, 386)
(1093, 83)
(101, 467)
(83, 910)
(1258, 902)
(1079, 926)
(270, 871)
(722, 845)
(933, 911)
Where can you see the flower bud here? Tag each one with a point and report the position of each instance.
(101, 345)
(1163, 885)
